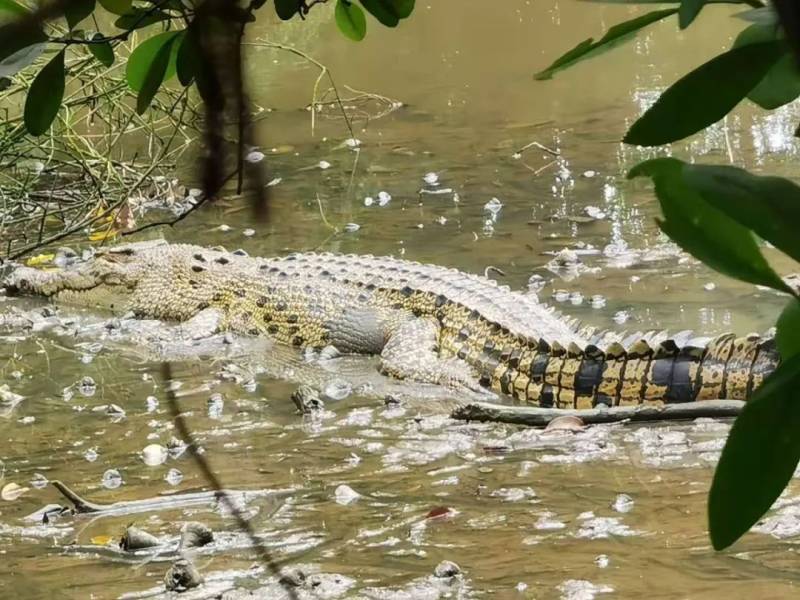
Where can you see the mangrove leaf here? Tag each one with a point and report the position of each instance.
(44, 96)
(704, 231)
(351, 20)
(787, 336)
(759, 458)
(141, 59)
(619, 33)
(705, 95)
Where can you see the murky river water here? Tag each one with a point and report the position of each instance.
(617, 511)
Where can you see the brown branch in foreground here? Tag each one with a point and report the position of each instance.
(540, 417)
(214, 481)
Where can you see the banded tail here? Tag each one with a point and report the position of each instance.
(548, 375)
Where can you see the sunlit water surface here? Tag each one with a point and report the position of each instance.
(616, 511)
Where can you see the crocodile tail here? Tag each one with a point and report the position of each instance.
(727, 367)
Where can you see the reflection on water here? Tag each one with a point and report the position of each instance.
(611, 510)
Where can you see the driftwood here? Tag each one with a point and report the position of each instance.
(83, 506)
(540, 417)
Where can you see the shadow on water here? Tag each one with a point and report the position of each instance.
(612, 509)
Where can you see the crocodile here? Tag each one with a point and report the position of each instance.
(427, 323)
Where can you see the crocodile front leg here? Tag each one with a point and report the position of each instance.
(412, 352)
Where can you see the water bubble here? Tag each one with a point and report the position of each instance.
(602, 561)
(90, 455)
(173, 477)
(369, 201)
(154, 455)
(87, 387)
(112, 479)
(39, 481)
(254, 157)
(249, 232)
(576, 298)
(215, 406)
(384, 198)
(324, 164)
(621, 316)
(352, 143)
(152, 404)
(337, 390)
(493, 206)
(598, 301)
(622, 503)
(431, 178)
(710, 286)
(589, 174)
(352, 227)
(441, 220)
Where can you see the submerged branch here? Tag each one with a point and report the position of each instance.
(540, 417)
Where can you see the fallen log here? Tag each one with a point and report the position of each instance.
(123, 507)
(540, 417)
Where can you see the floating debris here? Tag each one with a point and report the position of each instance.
(254, 157)
(345, 495)
(446, 568)
(12, 491)
(137, 539)
(622, 503)
(173, 477)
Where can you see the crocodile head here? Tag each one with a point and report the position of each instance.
(107, 279)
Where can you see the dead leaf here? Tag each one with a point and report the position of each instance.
(102, 540)
(40, 259)
(12, 491)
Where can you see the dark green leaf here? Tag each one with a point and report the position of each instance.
(404, 8)
(770, 206)
(705, 95)
(102, 51)
(11, 7)
(384, 10)
(787, 336)
(156, 73)
(77, 10)
(188, 60)
(117, 7)
(619, 33)
(44, 96)
(286, 9)
(351, 20)
(688, 11)
(759, 457)
(19, 47)
(139, 17)
(144, 54)
(781, 84)
(702, 230)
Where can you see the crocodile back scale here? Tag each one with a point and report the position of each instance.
(427, 323)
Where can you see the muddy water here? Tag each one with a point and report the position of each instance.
(616, 511)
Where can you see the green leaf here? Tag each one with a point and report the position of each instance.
(404, 8)
(44, 96)
(77, 10)
(616, 35)
(384, 10)
(14, 8)
(156, 73)
(117, 7)
(764, 15)
(138, 18)
(688, 12)
(770, 206)
(702, 230)
(188, 61)
(144, 54)
(759, 458)
(19, 46)
(781, 84)
(787, 336)
(102, 51)
(351, 20)
(286, 9)
(705, 95)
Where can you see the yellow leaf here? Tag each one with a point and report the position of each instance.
(102, 540)
(100, 236)
(39, 259)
